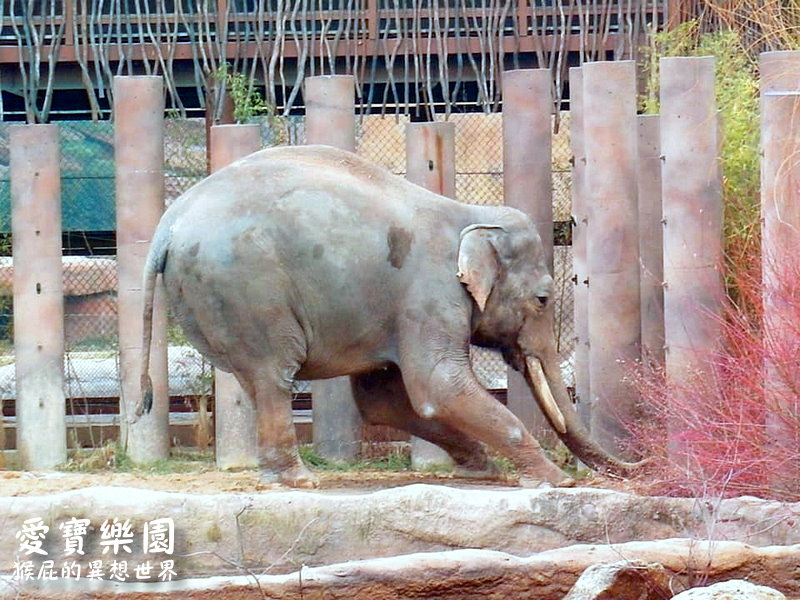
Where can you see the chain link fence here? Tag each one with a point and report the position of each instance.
(90, 278)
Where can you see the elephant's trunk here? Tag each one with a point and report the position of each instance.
(547, 385)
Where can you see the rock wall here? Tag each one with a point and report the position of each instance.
(459, 575)
(276, 532)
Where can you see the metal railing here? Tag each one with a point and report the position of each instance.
(67, 24)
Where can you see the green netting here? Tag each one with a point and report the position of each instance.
(87, 176)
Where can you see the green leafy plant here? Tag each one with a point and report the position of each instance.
(247, 101)
(393, 461)
(249, 104)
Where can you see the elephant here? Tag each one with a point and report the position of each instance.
(304, 263)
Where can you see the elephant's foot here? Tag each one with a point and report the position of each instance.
(529, 482)
(297, 476)
(540, 470)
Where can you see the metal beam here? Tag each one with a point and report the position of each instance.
(651, 239)
(780, 256)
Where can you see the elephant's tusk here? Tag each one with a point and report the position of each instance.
(542, 388)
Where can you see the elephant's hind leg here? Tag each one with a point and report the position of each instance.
(279, 458)
(382, 400)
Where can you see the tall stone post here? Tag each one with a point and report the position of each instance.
(38, 296)
(580, 224)
(612, 245)
(330, 111)
(779, 71)
(330, 120)
(431, 163)
(139, 158)
(236, 435)
(650, 239)
(692, 212)
(528, 186)
(780, 255)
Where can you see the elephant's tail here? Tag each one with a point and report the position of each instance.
(155, 263)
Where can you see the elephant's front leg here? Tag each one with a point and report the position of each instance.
(450, 393)
(279, 459)
(382, 399)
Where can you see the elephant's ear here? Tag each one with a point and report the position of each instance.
(478, 264)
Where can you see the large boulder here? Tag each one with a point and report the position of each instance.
(622, 580)
(736, 589)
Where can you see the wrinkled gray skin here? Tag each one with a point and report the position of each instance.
(309, 263)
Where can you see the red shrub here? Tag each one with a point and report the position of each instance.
(732, 427)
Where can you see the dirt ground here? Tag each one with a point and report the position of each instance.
(15, 483)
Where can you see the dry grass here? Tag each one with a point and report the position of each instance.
(762, 24)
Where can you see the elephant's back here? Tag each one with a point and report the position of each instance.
(309, 197)
(260, 179)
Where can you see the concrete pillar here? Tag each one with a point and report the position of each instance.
(650, 239)
(431, 163)
(779, 71)
(431, 156)
(692, 212)
(612, 245)
(330, 111)
(330, 120)
(38, 296)
(139, 158)
(235, 431)
(528, 186)
(527, 156)
(780, 255)
(580, 223)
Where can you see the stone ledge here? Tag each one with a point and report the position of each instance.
(459, 575)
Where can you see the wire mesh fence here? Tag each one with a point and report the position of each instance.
(90, 278)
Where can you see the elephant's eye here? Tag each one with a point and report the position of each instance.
(542, 300)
